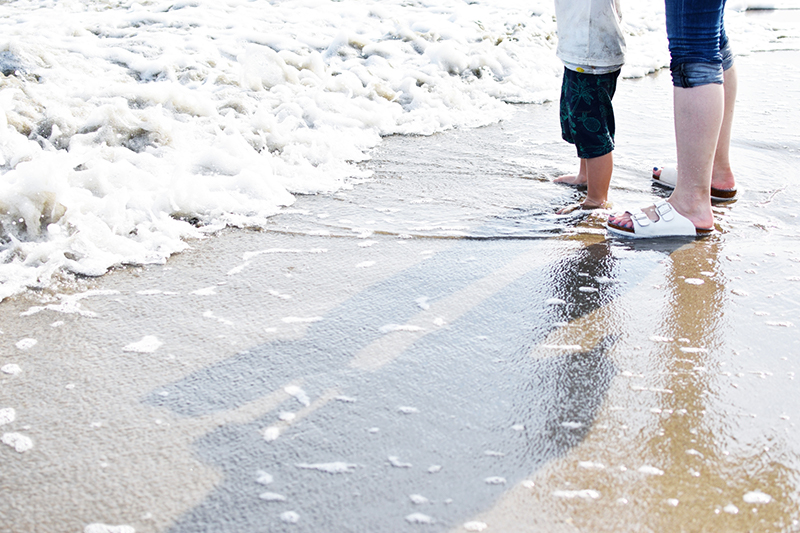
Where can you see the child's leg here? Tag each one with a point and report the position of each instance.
(599, 171)
(598, 179)
(580, 178)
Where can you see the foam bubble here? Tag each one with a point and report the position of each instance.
(271, 433)
(18, 441)
(419, 518)
(7, 415)
(389, 328)
(757, 497)
(11, 369)
(650, 470)
(148, 344)
(272, 497)
(290, 517)
(298, 394)
(397, 463)
(422, 302)
(418, 499)
(264, 478)
(336, 467)
(475, 526)
(584, 494)
(688, 349)
(105, 528)
(208, 291)
(26, 344)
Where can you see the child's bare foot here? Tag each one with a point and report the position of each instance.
(571, 179)
(585, 206)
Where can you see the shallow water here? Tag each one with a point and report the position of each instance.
(435, 349)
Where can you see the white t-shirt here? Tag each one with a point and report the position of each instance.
(589, 35)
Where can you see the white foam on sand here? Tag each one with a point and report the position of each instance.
(390, 328)
(419, 518)
(7, 415)
(757, 496)
(26, 344)
(271, 433)
(148, 344)
(397, 463)
(11, 369)
(264, 478)
(584, 494)
(70, 303)
(336, 467)
(650, 470)
(272, 497)
(418, 499)
(216, 114)
(105, 528)
(299, 394)
(18, 441)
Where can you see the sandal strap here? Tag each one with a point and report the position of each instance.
(640, 217)
(664, 210)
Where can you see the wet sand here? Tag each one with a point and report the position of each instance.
(435, 350)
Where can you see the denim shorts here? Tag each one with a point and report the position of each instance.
(587, 117)
(698, 44)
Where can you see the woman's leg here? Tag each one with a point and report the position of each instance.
(722, 175)
(696, 38)
(698, 122)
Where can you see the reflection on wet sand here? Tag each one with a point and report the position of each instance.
(715, 483)
(680, 459)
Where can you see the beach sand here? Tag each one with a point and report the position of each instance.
(435, 349)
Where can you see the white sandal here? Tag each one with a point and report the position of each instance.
(669, 223)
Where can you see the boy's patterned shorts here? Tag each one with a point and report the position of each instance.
(587, 117)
